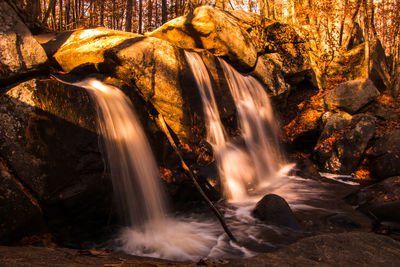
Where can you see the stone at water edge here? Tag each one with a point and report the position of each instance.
(351, 96)
(273, 209)
(380, 201)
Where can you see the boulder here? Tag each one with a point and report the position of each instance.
(385, 155)
(273, 209)
(21, 54)
(288, 51)
(214, 30)
(151, 65)
(343, 142)
(48, 137)
(270, 75)
(19, 210)
(353, 66)
(351, 96)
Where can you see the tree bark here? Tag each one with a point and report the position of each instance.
(149, 15)
(128, 25)
(164, 15)
(140, 16)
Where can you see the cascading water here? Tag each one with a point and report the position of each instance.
(132, 166)
(149, 231)
(257, 123)
(241, 167)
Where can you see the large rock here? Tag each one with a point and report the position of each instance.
(288, 51)
(270, 75)
(385, 155)
(344, 249)
(214, 30)
(353, 66)
(48, 137)
(273, 209)
(151, 65)
(351, 96)
(19, 211)
(20, 53)
(343, 142)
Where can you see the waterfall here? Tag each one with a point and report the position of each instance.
(132, 166)
(241, 167)
(149, 231)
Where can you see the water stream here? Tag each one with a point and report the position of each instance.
(259, 161)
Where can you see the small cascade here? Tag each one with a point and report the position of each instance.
(243, 167)
(257, 123)
(132, 166)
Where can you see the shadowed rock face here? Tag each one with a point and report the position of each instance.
(20, 213)
(48, 139)
(20, 53)
(343, 142)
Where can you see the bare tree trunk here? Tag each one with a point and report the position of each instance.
(157, 14)
(60, 15)
(67, 10)
(102, 12)
(140, 16)
(149, 15)
(164, 15)
(128, 25)
(51, 6)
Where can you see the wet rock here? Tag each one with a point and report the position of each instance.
(343, 142)
(342, 221)
(385, 155)
(19, 211)
(214, 30)
(380, 201)
(48, 137)
(20, 53)
(273, 209)
(307, 169)
(344, 249)
(351, 96)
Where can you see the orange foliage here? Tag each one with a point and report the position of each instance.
(310, 111)
(166, 175)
